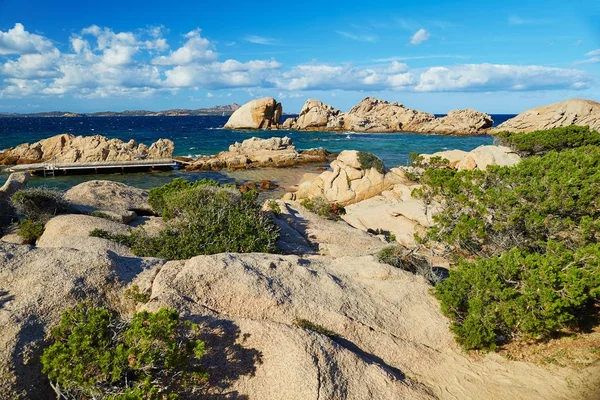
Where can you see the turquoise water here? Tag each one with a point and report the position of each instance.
(196, 136)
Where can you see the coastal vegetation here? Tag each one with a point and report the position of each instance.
(543, 141)
(525, 240)
(370, 160)
(95, 353)
(202, 217)
(322, 207)
(30, 231)
(39, 204)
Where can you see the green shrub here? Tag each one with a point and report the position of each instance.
(322, 207)
(306, 324)
(134, 293)
(552, 197)
(30, 231)
(100, 214)
(39, 204)
(541, 142)
(207, 218)
(156, 196)
(274, 207)
(124, 239)
(368, 161)
(521, 294)
(95, 354)
(400, 257)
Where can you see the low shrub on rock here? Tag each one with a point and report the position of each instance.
(369, 160)
(95, 354)
(526, 243)
(39, 204)
(306, 324)
(544, 141)
(400, 257)
(30, 231)
(322, 207)
(203, 217)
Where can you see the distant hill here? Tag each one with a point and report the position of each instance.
(216, 110)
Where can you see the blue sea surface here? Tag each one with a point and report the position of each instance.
(203, 135)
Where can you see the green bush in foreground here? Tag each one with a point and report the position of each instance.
(322, 207)
(30, 231)
(400, 257)
(368, 161)
(203, 218)
(39, 204)
(540, 142)
(521, 294)
(96, 355)
(125, 240)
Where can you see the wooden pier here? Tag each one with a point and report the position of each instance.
(50, 168)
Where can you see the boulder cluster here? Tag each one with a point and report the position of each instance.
(67, 148)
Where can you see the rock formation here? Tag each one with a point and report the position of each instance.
(316, 115)
(256, 152)
(569, 112)
(256, 114)
(69, 148)
(458, 122)
(347, 182)
(103, 195)
(374, 115)
(479, 158)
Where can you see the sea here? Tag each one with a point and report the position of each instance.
(196, 136)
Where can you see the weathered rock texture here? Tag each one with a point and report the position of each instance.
(347, 182)
(316, 115)
(569, 112)
(374, 115)
(70, 148)
(103, 195)
(479, 158)
(458, 122)
(256, 152)
(256, 114)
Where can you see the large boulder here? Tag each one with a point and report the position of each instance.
(108, 195)
(459, 122)
(67, 148)
(256, 152)
(478, 158)
(73, 231)
(565, 113)
(257, 114)
(347, 182)
(374, 115)
(315, 115)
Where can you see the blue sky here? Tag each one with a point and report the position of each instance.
(498, 57)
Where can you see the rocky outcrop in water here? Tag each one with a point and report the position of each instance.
(315, 115)
(256, 152)
(67, 148)
(374, 115)
(565, 113)
(256, 114)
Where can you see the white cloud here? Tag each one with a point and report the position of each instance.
(516, 20)
(593, 53)
(433, 56)
(578, 42)
(18, 41)
(396, 67)
(594, 57)
(495, 77)
(196, 49)
(260, 40)
(209, 95)
(419, 37)
(358, 37)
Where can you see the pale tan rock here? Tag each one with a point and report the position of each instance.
(458, 122)
(67, 148)
(257, 114)
(483, 156)
(347, 183)
(104, 195)
(15, 182)
(374, 115)
(256, 152)
(565, 113)
(315, 115)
